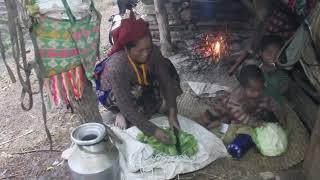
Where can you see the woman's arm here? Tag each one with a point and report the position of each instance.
(160, 67)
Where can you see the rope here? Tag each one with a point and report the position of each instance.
(18, 50)
(3, 54)
(27, 67)
(40, 74)
(16, 36)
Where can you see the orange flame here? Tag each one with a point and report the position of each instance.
(215, 47)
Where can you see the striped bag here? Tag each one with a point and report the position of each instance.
(68, 50)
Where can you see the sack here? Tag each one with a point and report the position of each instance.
(55, 8)
(304, 46)
(270, 139)
(311, 51)
(138, 162)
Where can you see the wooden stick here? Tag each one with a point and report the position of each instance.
(35, 151)
(8, 177)
(239, 61)
(29, 132)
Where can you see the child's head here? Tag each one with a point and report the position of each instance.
(270, 47)
(252, 80)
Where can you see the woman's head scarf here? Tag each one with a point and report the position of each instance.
(130, 30)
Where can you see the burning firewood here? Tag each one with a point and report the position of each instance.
(213, 46)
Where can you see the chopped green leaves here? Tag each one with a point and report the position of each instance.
(189, 145)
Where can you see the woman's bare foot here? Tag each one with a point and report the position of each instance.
(120, 122)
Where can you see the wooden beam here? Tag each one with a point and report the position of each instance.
(303, 105)
(311, 163)
(162, 19)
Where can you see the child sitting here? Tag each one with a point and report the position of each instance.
(248, 105)
(277, 80)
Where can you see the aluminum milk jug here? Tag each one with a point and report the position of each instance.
(94, 157)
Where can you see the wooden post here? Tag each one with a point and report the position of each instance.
(162, 19)
(259, 9)
(311, 163)
(87, 106)
(250, 7)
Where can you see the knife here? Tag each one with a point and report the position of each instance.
(178, 145)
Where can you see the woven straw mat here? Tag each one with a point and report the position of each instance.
(191, 107)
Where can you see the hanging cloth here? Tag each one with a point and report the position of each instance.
(68, 50)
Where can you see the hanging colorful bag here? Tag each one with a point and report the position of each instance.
(68, 49)
(86, 35)
(65, 44)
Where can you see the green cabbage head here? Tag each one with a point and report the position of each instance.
(270, 139)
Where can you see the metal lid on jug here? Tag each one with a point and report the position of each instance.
(88, 134)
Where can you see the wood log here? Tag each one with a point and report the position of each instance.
(147, 2)
(162, 19)
(148, 9)
(243, 56)
(150, 18)
(311, 163)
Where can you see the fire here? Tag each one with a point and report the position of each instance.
(215, 47)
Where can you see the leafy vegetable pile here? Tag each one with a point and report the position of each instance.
(189, 145)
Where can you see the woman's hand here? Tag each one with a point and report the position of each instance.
(121, 121)
(162, 136)
(173, 118)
